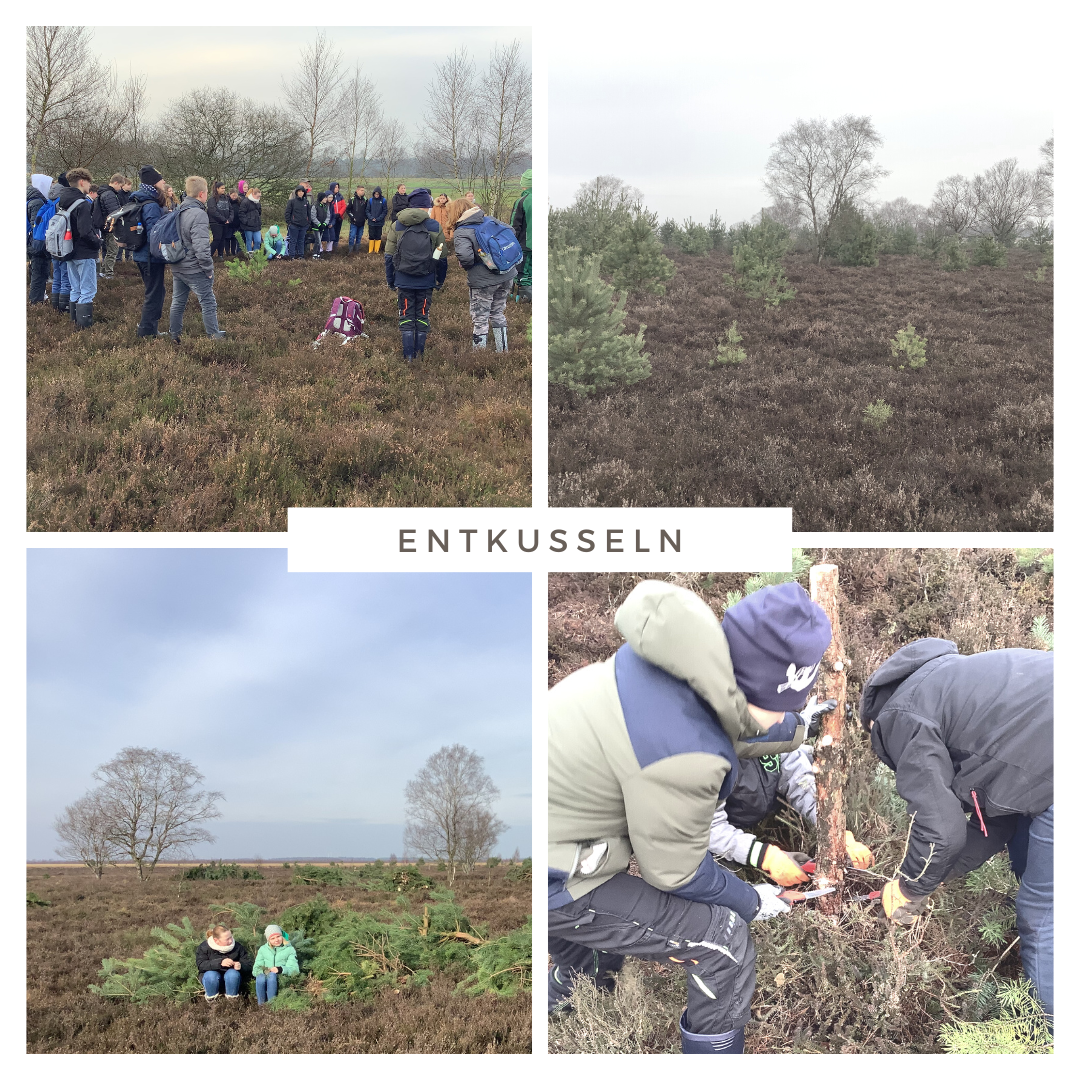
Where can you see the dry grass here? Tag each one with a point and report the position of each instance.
(133, 434)
(860, 985)
(89, 920)
(968, 447)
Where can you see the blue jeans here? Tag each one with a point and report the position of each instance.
(200, 284)
(297, 235)
(253, 240)
(266, 987)
(83, 276)
(61, 283)
(356, 233)
(211, 981)
(1032, 854)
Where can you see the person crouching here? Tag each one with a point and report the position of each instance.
(414, 245)
(221, 959)
(276, 957)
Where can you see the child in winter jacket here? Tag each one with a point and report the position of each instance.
(222, 959)
(356, 211)
(274, 243)
(277, 957)
(376, 216)
(82, 262)
(322, 213)
(488, 289)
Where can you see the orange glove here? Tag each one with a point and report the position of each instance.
(898, 907)
(779, 865)
(859, 854)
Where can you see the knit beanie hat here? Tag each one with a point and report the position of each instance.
(273, 230)
(273, 928)
(526, 178)
(149, 175)
(776, 637)
(420, 198)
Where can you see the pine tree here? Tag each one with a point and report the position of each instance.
(636, 257)
(588, 349)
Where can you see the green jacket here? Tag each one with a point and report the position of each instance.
(283, 957)
(413, 217)
(521, 217)
(641, 745)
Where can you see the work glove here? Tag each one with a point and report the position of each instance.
(771, 904)
(859, 854)
(778, 864)
(814, 713)
(898, 907)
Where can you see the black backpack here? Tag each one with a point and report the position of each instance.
(126, 224)
(413, 252)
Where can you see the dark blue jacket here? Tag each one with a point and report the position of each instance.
(147, 194)
(376, 210)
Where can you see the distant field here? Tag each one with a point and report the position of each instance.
(86, 921)
(969, 445)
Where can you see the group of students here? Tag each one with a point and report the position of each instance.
(419, 231)
(674, 749)
(223, 962)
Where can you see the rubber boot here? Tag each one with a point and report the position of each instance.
(378, 245)
(56, 300)
(421, 341)
(479, 341)
(729, 1042)
(408, 345)
(499, 333)
(370, 246)
(73, 311)
(65, 299)
(85, 314)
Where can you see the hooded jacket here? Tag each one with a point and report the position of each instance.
(298, 210)
(220, 209)
(357, 209)
(322, 213)
(466, 250)
(207, 958)
(960, 732)
(194, 229)
(85, 238)
(147, 194)
(406, 219)
(36, 198)
(521, 218)
(284, 957)
(273, 245)
(249, 215)
(398, 203)
(640, 749)
(376, 207)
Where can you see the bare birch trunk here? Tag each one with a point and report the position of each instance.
(830, 757)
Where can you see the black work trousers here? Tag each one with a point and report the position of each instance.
(153, 276)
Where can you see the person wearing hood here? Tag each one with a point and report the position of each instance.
(232, 247)
(641, 748)
(61, 283)
(274, 243)
(356, 211)
(322, 213)
(414, 246)
(337, 207)
(86, 240)
(194, 273)
(222, 961)
(521, 223)
(376, 216)
(37, 195)
(219, 210)
(297, 221)
(249, 218)
(971, 740)
(399, 202)
(151, 197)
(488, 288)
(276, 958)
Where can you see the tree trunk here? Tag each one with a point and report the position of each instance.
(830, 758)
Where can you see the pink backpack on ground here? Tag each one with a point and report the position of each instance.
(346, 320)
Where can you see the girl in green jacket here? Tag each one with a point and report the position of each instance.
(276, 957)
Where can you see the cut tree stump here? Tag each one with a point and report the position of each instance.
(830, 756)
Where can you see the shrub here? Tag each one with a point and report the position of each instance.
(988, 252)
(1041, 632)
(932, 244)
(861, 249)
(728, 351)
(248, 268)
(33, 900)
(1021, 1026)
(903, 240)
(955, 256)
(718, 233)
(668, 230)
(636, 257)
(877, 415)
(693, 239)
(521, 872)
(220, 871)
(372, 877)
(757, 269)
(587, 347)
(800, 565)
(908, 344)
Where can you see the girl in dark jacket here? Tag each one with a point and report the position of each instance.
(231, 245)
(221, 959)
(376, 216)
(249, 218)
(220, 211)
(337, 205)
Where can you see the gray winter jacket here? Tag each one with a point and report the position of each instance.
(965, 735)
(194, 230)
(479, 276)
(796, 784)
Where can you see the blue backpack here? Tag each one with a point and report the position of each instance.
(164, 239)
(497, 245)
(36, 230)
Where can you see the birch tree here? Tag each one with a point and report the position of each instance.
(313, 94)
(362, 113)
(504, 102)
(450, 146)
(85, 829)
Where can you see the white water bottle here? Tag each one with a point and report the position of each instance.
(437, 253)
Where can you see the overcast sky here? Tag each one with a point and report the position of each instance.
(308, 699)
(685, 108)
(251, 60)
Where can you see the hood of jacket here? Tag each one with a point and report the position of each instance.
(413, 216)
(377, 193)
(678, 632)
(903, 663)
(40, 182)
(69, 196)
(526, 180)
(473, 216)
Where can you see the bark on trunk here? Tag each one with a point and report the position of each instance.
(830, 758)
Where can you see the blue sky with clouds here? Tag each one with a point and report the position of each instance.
(308, 699)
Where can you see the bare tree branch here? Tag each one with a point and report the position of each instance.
(313, 94)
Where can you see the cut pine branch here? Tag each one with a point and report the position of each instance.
(830, 764)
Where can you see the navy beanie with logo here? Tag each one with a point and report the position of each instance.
(420, 199)
(776, 637)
